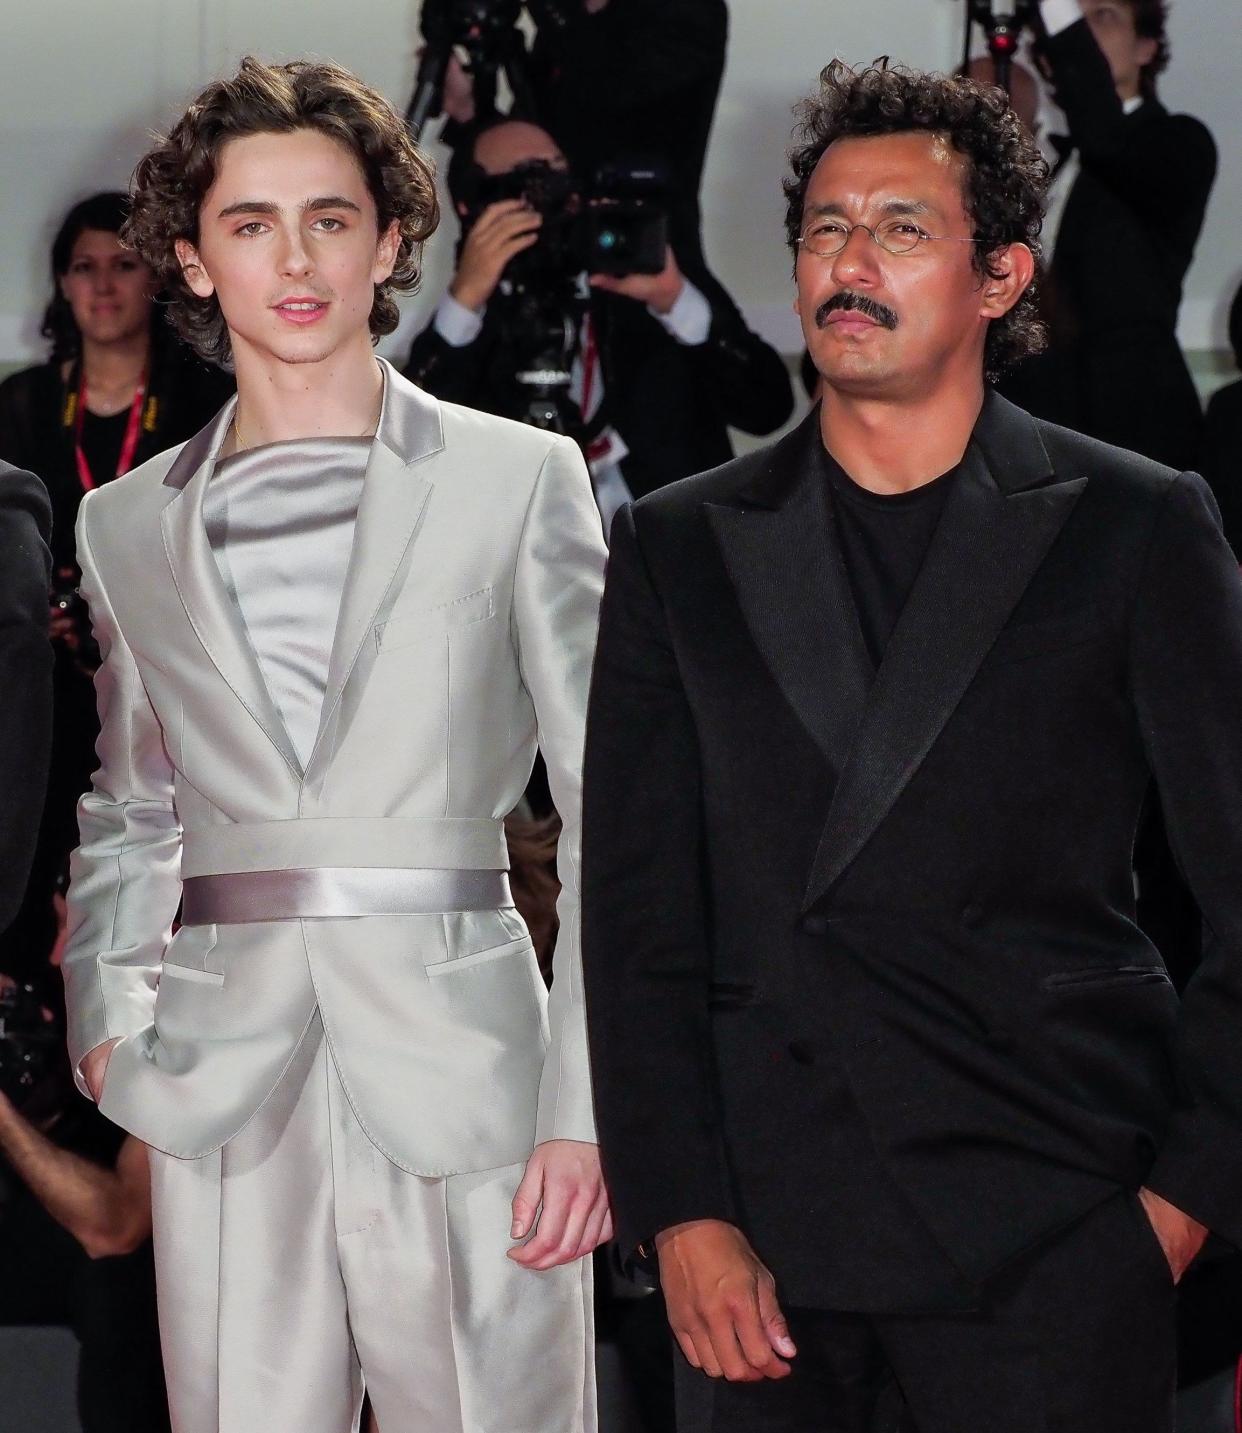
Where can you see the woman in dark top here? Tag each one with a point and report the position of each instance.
(117, 388)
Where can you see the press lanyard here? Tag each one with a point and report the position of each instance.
(129, 445)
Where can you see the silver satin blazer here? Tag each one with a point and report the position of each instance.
(465, 638)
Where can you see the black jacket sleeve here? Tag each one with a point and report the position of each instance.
(1186, 682)
(454, 375)
(747, 376)
(25, 676)
(645, 950)
(1179, 150)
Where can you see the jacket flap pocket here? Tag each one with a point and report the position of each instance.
(435, 621)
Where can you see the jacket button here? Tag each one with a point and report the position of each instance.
(815, 925)
(801, 1052)
(973, 914)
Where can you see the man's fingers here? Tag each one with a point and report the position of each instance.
(526, 1200)
(556, 1199)
(753, 1337)
(774, 1325)
(593, 1235)
(728, 1350)
(686, 1344)
(566, 1247)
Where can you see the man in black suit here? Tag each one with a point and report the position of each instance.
(1125, 211)
(662, 363)
(25, 676)
(888, 1080)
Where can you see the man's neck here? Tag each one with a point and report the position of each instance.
(894, 447)
(110, 366)
(337, 397)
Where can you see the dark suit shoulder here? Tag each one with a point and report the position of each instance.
(22, 491)
(1076, 455)
(722, 484)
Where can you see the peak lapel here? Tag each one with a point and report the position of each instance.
(394, 496)
(203, 594)
(786, 568)
(999, 521)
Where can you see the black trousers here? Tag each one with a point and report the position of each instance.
(1077, 1336)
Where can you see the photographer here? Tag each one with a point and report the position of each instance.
(1125, 210)
(612, 77)
(75, 1225)
(657, 364)
(116, 389)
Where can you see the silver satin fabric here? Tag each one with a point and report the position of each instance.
(280, 521)
(334, 892)
(299, 1252)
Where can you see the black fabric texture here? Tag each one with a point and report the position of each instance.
(796, 867)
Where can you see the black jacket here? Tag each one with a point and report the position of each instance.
(25, 676)
(1222, 458)
(1128, 233)
(671, 402)
(793, 864)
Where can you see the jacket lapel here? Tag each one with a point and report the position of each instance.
(393, 500)
(785, 565)
(1002, 515)
(206, 600)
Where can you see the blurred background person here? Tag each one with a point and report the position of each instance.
(1221, 462)
(1125, 210)
(117, 387)
(617, 78)
(656, 365)
(75, 1224)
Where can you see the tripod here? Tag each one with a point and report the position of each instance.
(1003, 32)
(488, 32)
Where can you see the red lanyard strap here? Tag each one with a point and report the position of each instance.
(129, 444)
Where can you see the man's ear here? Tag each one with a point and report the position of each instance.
(386, 251)
(1146, 51)
(197, 278)
(1015, 266)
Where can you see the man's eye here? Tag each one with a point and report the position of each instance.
(826, 229)
(251, 229)
(904, 230)
(329, 224)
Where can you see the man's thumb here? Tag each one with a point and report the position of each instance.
(774, 1325)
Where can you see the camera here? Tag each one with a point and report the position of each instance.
(29, 1042)
(618, 227)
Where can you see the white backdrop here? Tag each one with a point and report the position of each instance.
(83, 83)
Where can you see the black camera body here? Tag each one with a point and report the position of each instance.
(619, 227)
(29, 1042)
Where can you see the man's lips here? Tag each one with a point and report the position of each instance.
(851, 318)
(300, 310)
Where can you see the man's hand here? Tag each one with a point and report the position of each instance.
(658, 291)
(564, 1188)
(722, 1303)
(458, 90)
(501, 231)
(95, 1067)
(1181, 1237)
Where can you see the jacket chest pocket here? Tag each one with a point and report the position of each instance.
(439, 621)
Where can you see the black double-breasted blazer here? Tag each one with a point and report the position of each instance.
(797, 867)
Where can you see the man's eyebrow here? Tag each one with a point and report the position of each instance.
(910, 207)
(265, 206)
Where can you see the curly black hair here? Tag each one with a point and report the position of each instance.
(172, 180)
(1006, 175)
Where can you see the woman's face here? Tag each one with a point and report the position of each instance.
(108, 287)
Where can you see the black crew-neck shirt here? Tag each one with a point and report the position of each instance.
(102, 441)
(884, 538)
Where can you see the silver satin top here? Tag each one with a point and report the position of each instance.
(280, 521)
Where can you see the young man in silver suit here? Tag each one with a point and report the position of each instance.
(334, 626)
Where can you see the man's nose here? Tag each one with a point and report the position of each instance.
(295, 256)
(858, 262)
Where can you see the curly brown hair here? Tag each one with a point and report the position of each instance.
(172, 180)
(1006, 175)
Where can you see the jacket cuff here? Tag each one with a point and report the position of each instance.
(1199, 1171)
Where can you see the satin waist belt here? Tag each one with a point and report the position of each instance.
(335, 892)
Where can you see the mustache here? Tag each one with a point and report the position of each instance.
(848, 301)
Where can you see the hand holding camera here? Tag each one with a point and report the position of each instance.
(658, 291)
(503, 230)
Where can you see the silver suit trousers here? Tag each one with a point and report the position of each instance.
(298, 1264)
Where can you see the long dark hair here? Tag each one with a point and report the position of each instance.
(106, 212)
